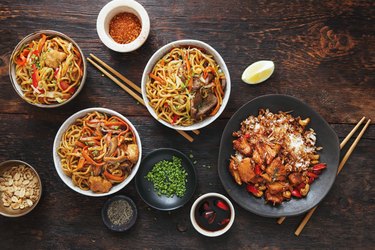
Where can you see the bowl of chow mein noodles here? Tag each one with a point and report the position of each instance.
(97, 151)
(186, 85)
(47, 69)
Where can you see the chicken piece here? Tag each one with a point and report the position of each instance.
(274, 198)
(276, 169)
(271, 152)
(256, 158)
(295, 179)
(54, 58)
(242, 146)
(99, 185)
(234, 170)
(277, 187)
(132, 153)
(260, 147)
(246, 170)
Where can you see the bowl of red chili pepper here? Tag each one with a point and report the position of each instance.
(47, 69)
(123, 25)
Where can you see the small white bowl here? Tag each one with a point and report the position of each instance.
(206, 232)
(56, 158)
(27, 39)
(113, 8)
(164, 50)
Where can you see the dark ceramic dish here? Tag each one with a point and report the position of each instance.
(146, 190)
(326, 138)
(126, 226)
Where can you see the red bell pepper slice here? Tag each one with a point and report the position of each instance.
(258, 170)
(313, 175)
(296, 193)
(35, 76)
(251, 189)
(65, 85)
(319, 166)
(175, 118)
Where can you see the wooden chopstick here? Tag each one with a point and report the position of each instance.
(116, 73)
(342, 144)
(130, 92)
(342, 163)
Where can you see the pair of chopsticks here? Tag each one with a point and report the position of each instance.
(100, 65)
(343, 161)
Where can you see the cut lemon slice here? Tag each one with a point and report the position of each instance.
(258, 72)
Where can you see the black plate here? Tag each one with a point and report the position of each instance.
(326, 138)
(146, 190)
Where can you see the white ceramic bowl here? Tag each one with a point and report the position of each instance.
(206, 232)
(164, 50)
(29, 38)
(56, 158)
(113, 8)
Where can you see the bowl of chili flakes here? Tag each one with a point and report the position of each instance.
(123, 25)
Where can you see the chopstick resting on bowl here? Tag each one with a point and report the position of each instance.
(103, 67)
(341, 165)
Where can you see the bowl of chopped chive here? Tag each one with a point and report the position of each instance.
(119, 213)
(166, 179)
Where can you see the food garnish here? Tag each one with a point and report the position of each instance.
(19, 187)
(119, 212)
(124, 27)
(258, 72)
(168, 177)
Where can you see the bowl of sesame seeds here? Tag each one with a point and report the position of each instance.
(119, 213)
(123, 25)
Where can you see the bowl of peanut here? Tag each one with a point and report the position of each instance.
(20, 188)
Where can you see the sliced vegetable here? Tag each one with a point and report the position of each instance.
(41, 42)
(35, 76)
(65, 85)
(296, 193)
(156, 78)
(258, 170)
(311, 174)
(252, 189)
(113, 177)
(222, 205)
(88, 158)
(319, 166)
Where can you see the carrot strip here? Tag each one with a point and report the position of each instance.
(217, 105)
(113, 177)
(81, 162)
(156, 78)
(80, 144)
(41, 43)
(89, 160)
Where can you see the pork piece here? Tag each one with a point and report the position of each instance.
(271, 152)
(246, 170)
(277, 187)
(295, 179)
(234, 170)
(197, 84)
(132, 153)
(54, 58)
(274, 198)
(242, 146)
(276, 168)
(200, 107)
(99, 185)
(209, 78)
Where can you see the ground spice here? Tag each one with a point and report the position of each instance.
(125, 27)
(119, 212)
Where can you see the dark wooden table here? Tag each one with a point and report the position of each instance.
(324, 55)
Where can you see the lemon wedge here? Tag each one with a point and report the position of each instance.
(258, 72)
